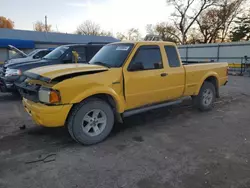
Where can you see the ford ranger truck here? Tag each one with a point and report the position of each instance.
(122, 79)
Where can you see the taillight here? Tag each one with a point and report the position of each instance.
(227, 71)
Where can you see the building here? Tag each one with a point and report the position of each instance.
(30, 40)
(233, 52)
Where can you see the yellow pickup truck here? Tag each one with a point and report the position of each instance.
(122, 79)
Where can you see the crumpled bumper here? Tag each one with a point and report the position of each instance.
(47, 116)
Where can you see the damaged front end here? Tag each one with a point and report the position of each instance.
(28, 91)
(38, 93)
(39, 87)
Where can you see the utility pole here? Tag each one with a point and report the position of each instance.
(46, 25)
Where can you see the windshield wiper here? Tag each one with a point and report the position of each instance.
(101, 63)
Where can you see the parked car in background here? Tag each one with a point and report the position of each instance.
(122, 79)
(20, 56)
(15, 52)
(12, 72)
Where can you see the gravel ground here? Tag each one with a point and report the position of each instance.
(175, 147)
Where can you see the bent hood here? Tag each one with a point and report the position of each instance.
(53, 72)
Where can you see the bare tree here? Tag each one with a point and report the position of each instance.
(132, 34)
(150, 29)
(40, 26)
(210, 24)
(194, 37)
(166, 31)
(214, 23)
(106, 33)
(121, 36)
(185, 13)
(229, 9)
(89, 27)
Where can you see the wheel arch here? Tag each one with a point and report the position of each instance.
(212, 78)
(102, 92)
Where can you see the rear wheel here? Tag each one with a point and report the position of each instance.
(205, 99)
(91, 121)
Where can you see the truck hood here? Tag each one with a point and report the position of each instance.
(62, 71)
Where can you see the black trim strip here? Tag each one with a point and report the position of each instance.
(150, 107)
(37, 77)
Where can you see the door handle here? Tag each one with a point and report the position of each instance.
(163, 74)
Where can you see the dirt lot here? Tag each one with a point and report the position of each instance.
(176, 147)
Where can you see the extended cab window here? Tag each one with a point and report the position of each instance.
(173, 58)
(146, 58)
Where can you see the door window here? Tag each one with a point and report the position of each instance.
(81, 50)
(40, 54)
(146, 58)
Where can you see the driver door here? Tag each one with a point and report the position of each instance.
(145, 82)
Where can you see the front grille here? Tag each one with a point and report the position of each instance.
(1, 72)
(4, 69)
(28, 91)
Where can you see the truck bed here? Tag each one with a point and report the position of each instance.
(197, 73)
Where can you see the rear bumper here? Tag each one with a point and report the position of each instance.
(47, 116)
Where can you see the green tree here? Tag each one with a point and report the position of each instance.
(242, 29)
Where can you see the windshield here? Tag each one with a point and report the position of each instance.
(112, 55)
(57, 53)
(32, 53)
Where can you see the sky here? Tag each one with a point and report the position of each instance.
(66, 15)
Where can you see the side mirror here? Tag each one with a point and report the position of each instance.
(76, 56)
(137, 66)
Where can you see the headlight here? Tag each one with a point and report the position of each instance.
(13, 72)
(49, 96)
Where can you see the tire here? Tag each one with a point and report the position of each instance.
(91, 121)
(204, 101)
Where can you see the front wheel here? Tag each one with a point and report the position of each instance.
(91, 121)
(205, 99)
